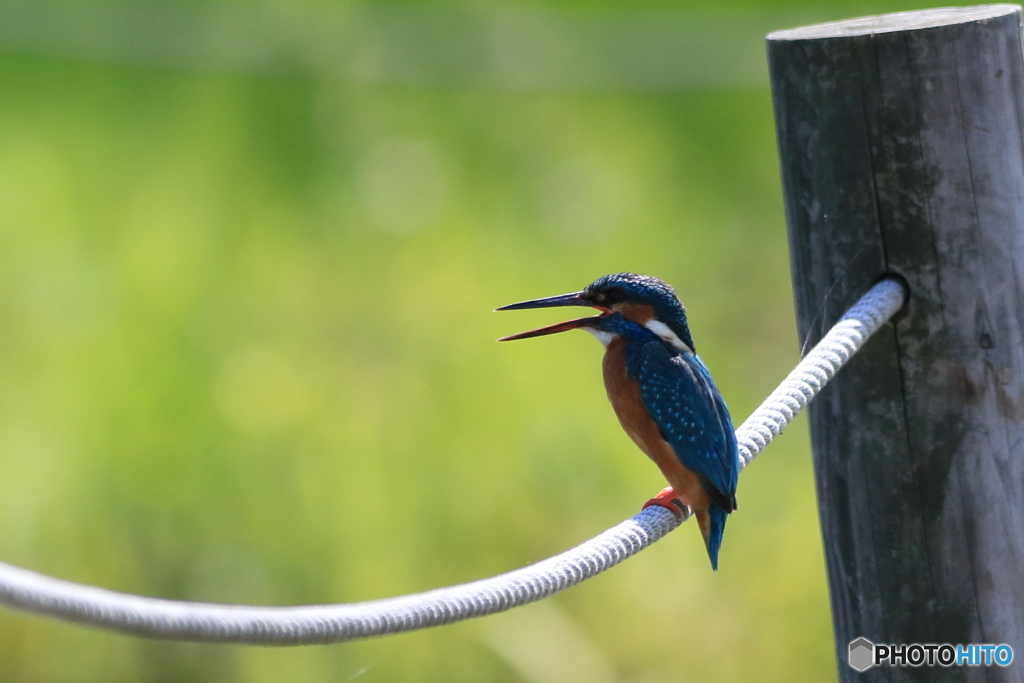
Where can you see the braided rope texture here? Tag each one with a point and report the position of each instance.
(818, 367)
(153, 617)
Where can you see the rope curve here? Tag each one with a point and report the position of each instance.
(819, 366)
(158, 618)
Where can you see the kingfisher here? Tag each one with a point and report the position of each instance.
(661, 392)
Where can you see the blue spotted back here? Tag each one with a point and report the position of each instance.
(678, 392)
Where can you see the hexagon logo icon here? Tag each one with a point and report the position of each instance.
(862, 654)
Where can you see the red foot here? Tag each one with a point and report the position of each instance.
(668, 500)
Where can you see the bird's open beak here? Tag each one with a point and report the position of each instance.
(574, 299)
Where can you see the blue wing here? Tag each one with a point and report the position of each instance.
(678, 392)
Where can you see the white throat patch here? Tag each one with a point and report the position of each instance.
(602, 336)
(665, 332)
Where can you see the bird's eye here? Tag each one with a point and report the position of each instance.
(613, 296)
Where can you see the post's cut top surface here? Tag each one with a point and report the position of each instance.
(897, 21)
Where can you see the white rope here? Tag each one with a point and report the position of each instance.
(33, 592)
(818, 367)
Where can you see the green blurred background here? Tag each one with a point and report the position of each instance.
(248, 257)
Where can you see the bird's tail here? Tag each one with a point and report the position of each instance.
(712, 527)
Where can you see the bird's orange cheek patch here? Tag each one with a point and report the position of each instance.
(638, 313)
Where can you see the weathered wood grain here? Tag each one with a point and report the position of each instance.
(901, 152)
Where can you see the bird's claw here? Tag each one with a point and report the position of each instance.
(669, 500)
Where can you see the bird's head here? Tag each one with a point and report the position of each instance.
(640, 299)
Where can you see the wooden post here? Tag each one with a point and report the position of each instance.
(901, 150)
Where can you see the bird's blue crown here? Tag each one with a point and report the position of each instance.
(643, 289)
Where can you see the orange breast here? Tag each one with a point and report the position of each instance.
(624, 394)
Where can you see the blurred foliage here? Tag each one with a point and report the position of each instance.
(247, 356)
